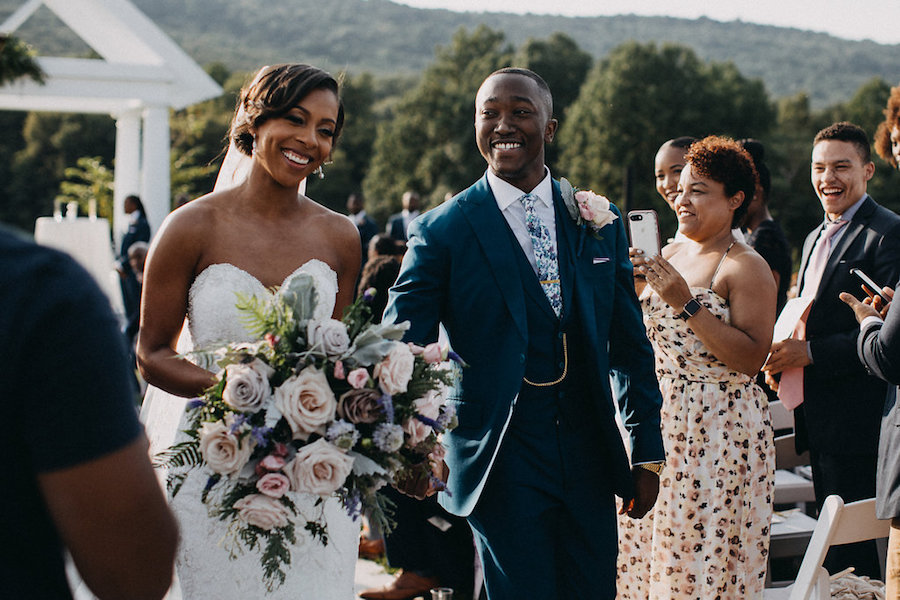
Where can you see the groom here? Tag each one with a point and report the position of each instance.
(542, 310)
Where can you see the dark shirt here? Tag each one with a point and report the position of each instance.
(65, 400)
(770, 242)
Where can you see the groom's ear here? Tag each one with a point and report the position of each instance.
(550, 130)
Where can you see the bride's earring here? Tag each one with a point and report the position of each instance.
(321, 170)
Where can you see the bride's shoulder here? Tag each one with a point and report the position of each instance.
(335, 223)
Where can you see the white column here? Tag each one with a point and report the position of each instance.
(155, 176)
(127, 168)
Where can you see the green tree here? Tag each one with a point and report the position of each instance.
(90, 181)
(429, 144)
(350, 160)
(564, 66)
(639, 96)
(17, 60)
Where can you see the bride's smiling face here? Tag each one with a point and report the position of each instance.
(291, 146)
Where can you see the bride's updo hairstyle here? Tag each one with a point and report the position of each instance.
(273, 92)
(725, 161)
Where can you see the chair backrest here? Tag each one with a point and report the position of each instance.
(781, 417)
(838, 523)
(786, 456)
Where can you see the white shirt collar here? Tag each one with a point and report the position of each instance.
(506, 193)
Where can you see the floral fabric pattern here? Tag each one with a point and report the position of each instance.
(708, 533)
(544, 254)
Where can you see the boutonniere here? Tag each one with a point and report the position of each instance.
(586, 207)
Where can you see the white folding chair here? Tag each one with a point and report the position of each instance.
(791, 488)
(781, 417)
(838, 523)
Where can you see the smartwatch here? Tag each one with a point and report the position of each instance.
(690, 309)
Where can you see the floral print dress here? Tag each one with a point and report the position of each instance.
(708, 534)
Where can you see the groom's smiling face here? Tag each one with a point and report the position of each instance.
(512, 124)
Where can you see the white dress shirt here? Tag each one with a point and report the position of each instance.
(507, 196)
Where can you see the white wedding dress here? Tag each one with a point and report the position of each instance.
(204, 569)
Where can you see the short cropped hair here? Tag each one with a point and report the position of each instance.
(724, 160)
(542, 85)
(847, 132)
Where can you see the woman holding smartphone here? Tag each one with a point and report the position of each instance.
(709, 309)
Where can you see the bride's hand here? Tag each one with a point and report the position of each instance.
(666, 281)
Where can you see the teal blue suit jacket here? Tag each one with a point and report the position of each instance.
(460, 270)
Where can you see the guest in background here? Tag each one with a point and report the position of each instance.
(887, 137)
(762, 232)
(382, 244)
(77, 476)
(138, 231)
(137, 256)
(398, 223)
(709, 310)
(668, 165)
(837, 405)
(367, 228)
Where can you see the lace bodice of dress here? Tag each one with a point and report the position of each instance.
(213, 316)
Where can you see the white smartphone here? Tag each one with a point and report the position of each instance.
(643, 229)
(876, 289)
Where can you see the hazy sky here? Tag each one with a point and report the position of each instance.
(878, 20)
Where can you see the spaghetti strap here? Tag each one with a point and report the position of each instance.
(719, 266)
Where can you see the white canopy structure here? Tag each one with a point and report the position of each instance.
(142, 74)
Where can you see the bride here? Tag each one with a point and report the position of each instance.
(248, 238)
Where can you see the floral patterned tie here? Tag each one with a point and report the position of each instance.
(544, 254)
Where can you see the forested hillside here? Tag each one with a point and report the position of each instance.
(387, 38)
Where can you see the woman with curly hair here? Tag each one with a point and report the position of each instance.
(887, 137)
(709, 310)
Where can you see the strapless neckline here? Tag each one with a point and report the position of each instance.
(212, 268)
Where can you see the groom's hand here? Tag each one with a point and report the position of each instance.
(646, 487)
(422, 485)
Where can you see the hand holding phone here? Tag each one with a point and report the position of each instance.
(643, 229)
(870, 283)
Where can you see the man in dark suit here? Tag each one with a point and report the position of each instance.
(356, 208)
(542, 308)
(878, 347)
(138, 231)
(398, 223)
(840, 414)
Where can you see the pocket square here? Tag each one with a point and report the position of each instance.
(599, 260)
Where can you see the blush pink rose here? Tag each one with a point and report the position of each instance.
(594, 208)
(435, 353)
(358, 378)
(274, 485)
(416, 431)
(272, 463)
(262, 511)
(395, 370)
(319, 468)
(339, 370)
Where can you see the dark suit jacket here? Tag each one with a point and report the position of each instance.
(139, 231)
(367, 231)
(460, 270)
(879, 349)
(841, 411)
(395, 227)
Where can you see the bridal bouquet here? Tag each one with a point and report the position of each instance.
(316, 406)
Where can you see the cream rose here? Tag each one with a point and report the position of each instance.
(247, 385)
(330, 335)
(306, 401)
(318, 468)
(223, 451)
(594, 208)
(416, 431)
(395, 370)
(263, 511)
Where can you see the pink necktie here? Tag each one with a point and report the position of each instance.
(790, 388)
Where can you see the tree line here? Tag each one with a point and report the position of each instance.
(416, 132)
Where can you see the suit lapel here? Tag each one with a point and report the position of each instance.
(480, 209)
